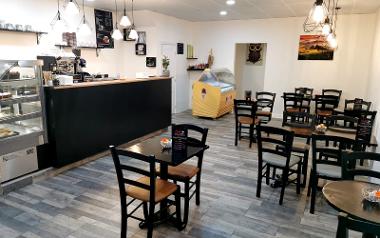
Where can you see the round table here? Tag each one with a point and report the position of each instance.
(346, 196)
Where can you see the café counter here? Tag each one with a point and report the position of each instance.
(85, 118)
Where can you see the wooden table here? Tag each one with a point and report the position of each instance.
(346, 196)
(165, 157)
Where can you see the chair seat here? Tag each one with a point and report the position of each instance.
(163, 190)
(293, 109)
(332, 171)
(280, 161)
(263, 113)
(324, 113)
(248, 120)
(181, 172)
(300, 147)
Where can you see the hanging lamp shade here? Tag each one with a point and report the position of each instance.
(72, 8)
(133, 34)
(116, 34)
(124, 21)
(84, 28)
(317, 16)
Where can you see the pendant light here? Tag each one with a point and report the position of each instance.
(133, 33)
(84, 28)
(116, 35)
(317, 16)
(72, 8)
(326, 29)
(125, 22)
(58, 24)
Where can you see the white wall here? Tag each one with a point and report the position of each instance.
(121, 60)
(349, 71)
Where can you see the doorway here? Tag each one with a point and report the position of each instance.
(250, 67)
(169, 50)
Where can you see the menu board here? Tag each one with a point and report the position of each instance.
(179, 141)
(104, 28)
(365, 125)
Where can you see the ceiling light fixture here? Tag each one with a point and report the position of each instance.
(116, 34)
(125, 22)
(133, 33)
(58, 25)
(72, 8)
(84, 28)
(223, 13)
(230, 2)
(317, 16)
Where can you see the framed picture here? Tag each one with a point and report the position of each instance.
(314, 47)
(140, 49)
(142, 37)
(104, 28)
(180, 48)
(151, 62)
(126, 32)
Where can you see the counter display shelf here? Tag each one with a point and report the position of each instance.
(213, 93)
(85, 118)
(22, 127)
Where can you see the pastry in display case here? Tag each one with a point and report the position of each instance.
(22, 122)
(214, 93)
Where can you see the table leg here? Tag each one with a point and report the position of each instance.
(163, 176)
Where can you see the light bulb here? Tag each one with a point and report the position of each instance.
(330, 37)
(333, 43)
(326, 29)
(318, 14)
(71, 8)
(125, 22)
(59, 26)
(84, 29)
(133, 34)
(116, 35)
(230, 2)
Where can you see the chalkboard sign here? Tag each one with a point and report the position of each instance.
(365, 125)
(179, 141)
(104, 28)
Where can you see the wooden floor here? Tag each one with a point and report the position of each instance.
(84, 202)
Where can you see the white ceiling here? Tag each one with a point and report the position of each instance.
(208, 10)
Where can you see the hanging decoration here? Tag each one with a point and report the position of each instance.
(72, 8)
(133, 33)
(124, 21)
(58, 24)
(116, 35)
(84, 28)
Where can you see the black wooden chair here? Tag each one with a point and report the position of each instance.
(350, 161)
(294, 102)
(300, 120)
(245, 118)
(184, 173)
(147, 189)
(265, 104)
(357, 104)
(269, 139)
(307, 92)
(346, 223)
(342, 123)
(324, 106)
(332, 92)
(326, 161)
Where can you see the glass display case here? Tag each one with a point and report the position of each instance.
(22, 124)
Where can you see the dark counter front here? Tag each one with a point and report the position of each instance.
(83, 121)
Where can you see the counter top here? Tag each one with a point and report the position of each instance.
(110, 82)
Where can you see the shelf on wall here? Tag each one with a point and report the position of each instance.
(38, 33)
(192, 58)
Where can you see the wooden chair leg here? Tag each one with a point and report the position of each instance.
(314, 186)
(123, 233)
(299, 178)
(259, 179)
(198, 189)
(285, 175)
(310, 183)
(180, 225)
(267, 173)
(150, 220)
(236, 134)
(187, 203)
(250, 136)
(305, 167)
(145, 210)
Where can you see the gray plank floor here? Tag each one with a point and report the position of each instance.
(84, 202)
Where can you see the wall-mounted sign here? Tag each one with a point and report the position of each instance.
(104, 28)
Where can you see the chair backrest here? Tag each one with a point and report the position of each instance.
(330, 146)
(307, 92)
(341, 121)
(244, 108)
(293, 100)
(332, 92)
(269, 139)
(196, 136)
(298, 119)
(349, 161)
(122, 167)
(346, 223)
(326, 102)
(357, 104)
(265, 100)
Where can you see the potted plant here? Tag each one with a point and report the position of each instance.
(165, 65)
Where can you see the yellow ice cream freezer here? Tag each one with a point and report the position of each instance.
(214, 93)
